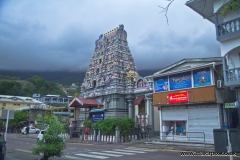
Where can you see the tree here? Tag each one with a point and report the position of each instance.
(52, 144)
(19, 118)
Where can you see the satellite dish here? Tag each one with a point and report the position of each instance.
(236, 104)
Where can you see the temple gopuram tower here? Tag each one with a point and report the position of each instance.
(111, 73)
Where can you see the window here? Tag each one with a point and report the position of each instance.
(4, 104)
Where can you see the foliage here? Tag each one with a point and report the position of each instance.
(108, 126)
(19, 118)
(232, 7)
(53, 144)
(45, 87)
(10, 88)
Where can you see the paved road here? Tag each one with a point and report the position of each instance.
(18, 149)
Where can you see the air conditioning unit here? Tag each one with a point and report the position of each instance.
(219, 84)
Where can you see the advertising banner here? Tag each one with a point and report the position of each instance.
(202, 78)
(97, 116)
(179, 97)
(161, 84)
(180, 81)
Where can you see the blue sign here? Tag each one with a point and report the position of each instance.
(180, 81)
(202, 78)
(97, 116)
(161, 84)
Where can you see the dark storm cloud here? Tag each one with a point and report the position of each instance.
(174, 48)
(60, 35)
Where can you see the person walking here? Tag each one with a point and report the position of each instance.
(86, 133)
(27, 131)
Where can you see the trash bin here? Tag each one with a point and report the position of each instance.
(221, 140)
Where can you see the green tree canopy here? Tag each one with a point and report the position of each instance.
(52, 144)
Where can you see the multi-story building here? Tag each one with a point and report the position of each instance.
(16, 102)
(228, 35)
(53, 99)
(188, 98)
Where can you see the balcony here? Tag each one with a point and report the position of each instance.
(228, 30)
(232, 77)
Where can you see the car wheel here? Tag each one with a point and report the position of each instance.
(37, 132)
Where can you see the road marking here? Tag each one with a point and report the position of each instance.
(72, 157)
(122, 150)
(119, 152)
(143, 149)
(106, 154)
(23, 150)
(92, 156)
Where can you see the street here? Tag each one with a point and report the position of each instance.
(20, 145)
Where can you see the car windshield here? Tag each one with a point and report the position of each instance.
(42, 132)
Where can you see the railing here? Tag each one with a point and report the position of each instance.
(228, 29)
(189, 137)
(232, 76)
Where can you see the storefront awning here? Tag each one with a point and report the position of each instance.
(138, 100)
(98, 110)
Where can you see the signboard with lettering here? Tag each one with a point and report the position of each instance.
(161, 84)
(97, 116)
(202, 77)
(179, 97)
(229, 105)
(180, 81)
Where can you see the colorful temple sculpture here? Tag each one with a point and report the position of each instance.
(113, 81)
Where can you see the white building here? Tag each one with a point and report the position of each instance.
(228, 35)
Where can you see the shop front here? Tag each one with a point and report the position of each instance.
(190, 104)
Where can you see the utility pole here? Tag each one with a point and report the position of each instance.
(29, 114)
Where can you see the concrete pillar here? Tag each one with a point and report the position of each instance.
(117, 135)
(130, 98)
(99, 135)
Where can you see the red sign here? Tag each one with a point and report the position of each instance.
(178, 97)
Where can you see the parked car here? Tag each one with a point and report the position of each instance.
(2, 147)
(31, 130)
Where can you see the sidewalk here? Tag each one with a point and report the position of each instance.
(197, 147)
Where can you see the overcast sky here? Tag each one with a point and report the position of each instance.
(60, 34)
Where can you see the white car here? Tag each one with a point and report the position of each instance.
(40, 135)
(31, 130)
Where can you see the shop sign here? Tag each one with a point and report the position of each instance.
(161, 84)
(202, 78)
(179, 97)
(229, 105)
(180, 81)
(97, 116)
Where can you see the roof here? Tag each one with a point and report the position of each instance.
(138, 100)
(194, 63)
(98, 110)
(20, 99)
(80, 102)
(206, 9)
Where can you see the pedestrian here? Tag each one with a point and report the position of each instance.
(86, 133)
(27, 131)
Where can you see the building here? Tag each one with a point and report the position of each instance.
(113, 84)
(53, 99)
(188, 98)
(228, 35)
(16, 102)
